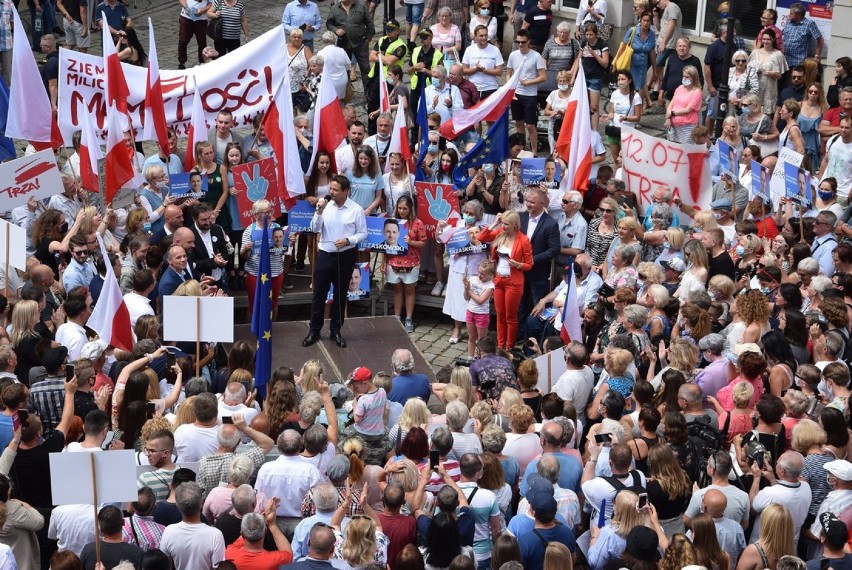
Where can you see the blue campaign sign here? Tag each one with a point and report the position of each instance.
(459, 244)
(386, 235)
(728, 160)
(299, 216)
(187, 185)
(532, 171)
(359, 284)
(797, 184)
(759, 179)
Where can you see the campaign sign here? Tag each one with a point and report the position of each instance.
(759, 179)
(300, 216)
(255, 181)
(359, 284)
(34, 176)
(460, 244)
(187, 185)
(532, 172)
(728, 160)
(386, 235)
(435, 203)
(797, 184)
(279, 239)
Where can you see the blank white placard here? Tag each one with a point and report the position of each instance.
(17, 240)
(179, 319)
(71, 477)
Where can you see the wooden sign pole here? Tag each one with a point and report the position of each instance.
(6, 261)
(198, 336)
(97, 524)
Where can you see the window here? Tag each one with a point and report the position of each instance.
(572, 4)
(689, 11)
(747, 14)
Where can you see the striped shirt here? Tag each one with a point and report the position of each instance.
(252, 235)
(213, 469)
(142, 531)
(158, 481)
(813, 471)
(232, 17)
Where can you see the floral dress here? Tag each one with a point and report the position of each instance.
(764, 61)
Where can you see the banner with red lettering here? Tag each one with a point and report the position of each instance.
(650, 161)
(242, 82)
(255, 181)
(435, 203)
(34, 176)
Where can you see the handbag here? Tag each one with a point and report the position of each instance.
(622, 62)
(350, 92)
(611, 130)
(214, 27)
(767, 148)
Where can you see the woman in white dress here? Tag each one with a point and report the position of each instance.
(695, 276)
(398, 182)
(336, 63)
(557, 103)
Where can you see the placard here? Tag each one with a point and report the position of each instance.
(180, 316)
(550, 367)
(300, 215)
(759, 180)
(435, 203)
(255, 181)
(124, 198)
(359, 284)
(777, 184)
(115, 475)
(187, 185)
(34, 176)
(728, 160)
(649, 161)
(12, 239)
(532, 171)
(459, 243)
(386, 235)
(797, 185)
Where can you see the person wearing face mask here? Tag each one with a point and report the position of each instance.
(682, 112)
(826, 197)
(482, 16)
(380, 142)
(441, 96)
(557, 103)
(485, 187)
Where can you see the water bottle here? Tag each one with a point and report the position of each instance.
(38, 22)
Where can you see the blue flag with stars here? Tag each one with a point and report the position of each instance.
(261, 316)
(493, 148)
(423, 123)
(7, 147)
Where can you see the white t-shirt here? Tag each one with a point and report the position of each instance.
(489, 58)
(528, 66)
(72, 526)
(193, 545)
(193, 442)
(621, 105)
(477, 287)
(576, 385)
(839, 164)
(797, 500)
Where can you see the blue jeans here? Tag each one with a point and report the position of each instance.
(48, 21)
(663, 56)
(484, 564)
(413, 13)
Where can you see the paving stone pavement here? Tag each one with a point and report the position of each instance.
(433, 328)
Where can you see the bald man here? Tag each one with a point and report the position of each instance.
(570, 468)
(185, 238)
(43, 279)
(784, 488)
(175, 273)
(730, 534)
(174, 219)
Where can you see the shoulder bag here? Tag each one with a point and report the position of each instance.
(214, 26)
(622, 62)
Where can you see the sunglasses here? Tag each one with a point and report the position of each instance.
(522, 42)
(739, 61)
(566, 202)
(82, 253)
(607, 211)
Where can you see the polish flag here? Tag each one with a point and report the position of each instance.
(399, 140)
(197, 130)
(571, 326)
(281, 133)
(155, 110)
(110, 317)
(118, 168)
(115, 84)
(329, 124)
(384, 96)
(90, 153)
(574, 144)
(30, 114)
(489, 109)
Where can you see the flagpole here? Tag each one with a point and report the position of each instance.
(6, 262)
(198, 336)
(95, 504)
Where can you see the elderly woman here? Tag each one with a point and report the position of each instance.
(250, 250)
(218, 501)
(742, 80)
(616, 363)
(298, 55)
(629, 234)
(602, 232)
(731, 133)
(557, 103)
(634, 318)
(559, 53)
(511, 251)
(682, 112)
(494, 441)
(623, 273)
(656, 238)
(446, 36)
(522, 443)
(155, 197)
(336, 63)
(656, 299)
(362, 543)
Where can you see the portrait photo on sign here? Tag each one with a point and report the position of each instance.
(359, 284)
(797, 183)
(187, 185)
(386, 235)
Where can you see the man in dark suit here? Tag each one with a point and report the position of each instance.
(211, 245)
(543, 232)
(320, 549)
(175, 274)
(174, 220)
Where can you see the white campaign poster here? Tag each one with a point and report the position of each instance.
(13, 239)
(242, 82)
(115, 472)
(550, 368)
(34, 176)
(180, 322)
(649, 161)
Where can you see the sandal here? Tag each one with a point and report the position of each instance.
(454, 340)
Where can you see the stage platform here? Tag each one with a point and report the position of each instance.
(370, 342)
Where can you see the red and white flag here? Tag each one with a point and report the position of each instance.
(115, 84)
(489, 109)
(119, 164)
(197, 130)
(571, 326)
(384, 96)
(110, 317)
(574, 144)
(329, 124)
(281, 133)
(155, 128)
(90, 153)
(30, 114)
(399, 140)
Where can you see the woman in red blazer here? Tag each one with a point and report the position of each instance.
(512, 255)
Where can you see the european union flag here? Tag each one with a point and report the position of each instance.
(7, 147)
(423, 123)
(493, 148)
(261, 316)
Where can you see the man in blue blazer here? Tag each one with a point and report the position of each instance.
(543, 232)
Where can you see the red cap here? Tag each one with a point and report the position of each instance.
(360, 374)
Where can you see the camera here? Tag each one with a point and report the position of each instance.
(756, 452)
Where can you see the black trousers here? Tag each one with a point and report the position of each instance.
(332, 269)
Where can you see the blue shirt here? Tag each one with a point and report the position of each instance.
(6, 430)
(798, 39)
(570, 472)
(408, 386)
(675, 217)
(533, 546)
(363, 188)
(296, 14)
(115, 16)
(521, 525)
(78, 275)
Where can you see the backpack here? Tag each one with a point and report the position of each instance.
(706, 439)
(636, 487)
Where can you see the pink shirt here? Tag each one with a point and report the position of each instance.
(686, 99)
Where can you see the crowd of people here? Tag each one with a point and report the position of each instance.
(702, 419)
